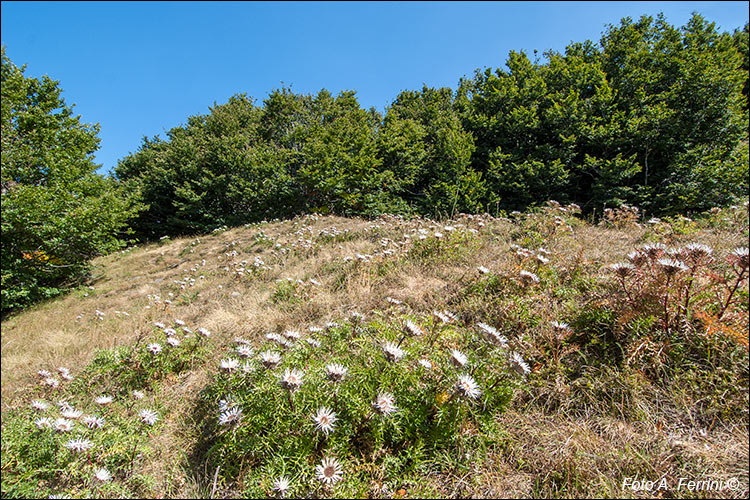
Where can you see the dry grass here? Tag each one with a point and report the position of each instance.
(549, 450)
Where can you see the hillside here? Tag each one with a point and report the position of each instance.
(581, 374)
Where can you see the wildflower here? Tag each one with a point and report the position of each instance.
(51, 381)
(393, 301)
(179, 322)
(154, 348)
(232, 415)
(204, 332)
(103, 400)
(102, 475)
(467, 388)
(92, 421)
(425, 363)
(697, 252)
(63, 424)
(138, 395)
(43, 423)
(413, 328)
(64, 405)
(312, 342)
(622, 269)
(292, 335)
(357, 317)
(458, 358)
(518, 364)
(637, 257)
(240, 340)
(270, 359)
(740, 257)
(561, 326)
(336, 372)
(483, 270)
(229, 364)
(653, 250)
(331, 324)
(392, 351)
(44, 373)
(324, 419)
(170, 332)
(173, 341)
(291, 379)
(161, 326)
(39, 405)
(244, 350)
(671, 266)
(71, 413)
(491, 334)
(281, 485)
(79, 445)
(148, 416)
(65, 375)
(542, 259)
(385, 403)
(528, 277)
(329, 470)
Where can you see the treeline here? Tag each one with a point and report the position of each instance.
(652, 115)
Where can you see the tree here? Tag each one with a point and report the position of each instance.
(57, 213)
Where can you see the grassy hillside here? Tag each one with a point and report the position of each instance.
(535, 356)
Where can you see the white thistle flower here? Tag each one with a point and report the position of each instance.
(43, 423)
(230, 364)
(179, 322)
(466, 387)
(173, 341)
(103, 400)
(159, 325)
(148, 416)
(102, 475)
(281, 485)
(329, 471)
(92, 421)
(336, 371)
(312, 342)
(385, 403)
(138, 395)
(392, 351)
(324, 419)
(244, 350)
(292, 379)
(154, 348)
(492, 335)
(79, 445)
(292, 335)
(39, 405)
(170, 332)
(528, 277)
(425, 363)
(44, 373)
(483, 270)
(518, 364)
(71, 413)
(204, 332)
(414, 328)
(671, 266)
(270, 359)
(63, 424)
(232, 415)
(51, 381)
(458, 358)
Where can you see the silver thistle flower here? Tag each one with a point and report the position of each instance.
(324, 419)
(329, 471)
(385, 403)
(467, 388)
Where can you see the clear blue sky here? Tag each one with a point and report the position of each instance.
(141, 68)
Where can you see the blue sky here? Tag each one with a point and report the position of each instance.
(141, 68)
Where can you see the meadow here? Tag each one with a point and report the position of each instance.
(534, 355)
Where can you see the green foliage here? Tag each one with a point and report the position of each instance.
(57, 212)
(276, 433)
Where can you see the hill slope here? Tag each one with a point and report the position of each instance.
(584, 374)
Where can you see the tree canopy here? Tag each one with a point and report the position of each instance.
(57, 213)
